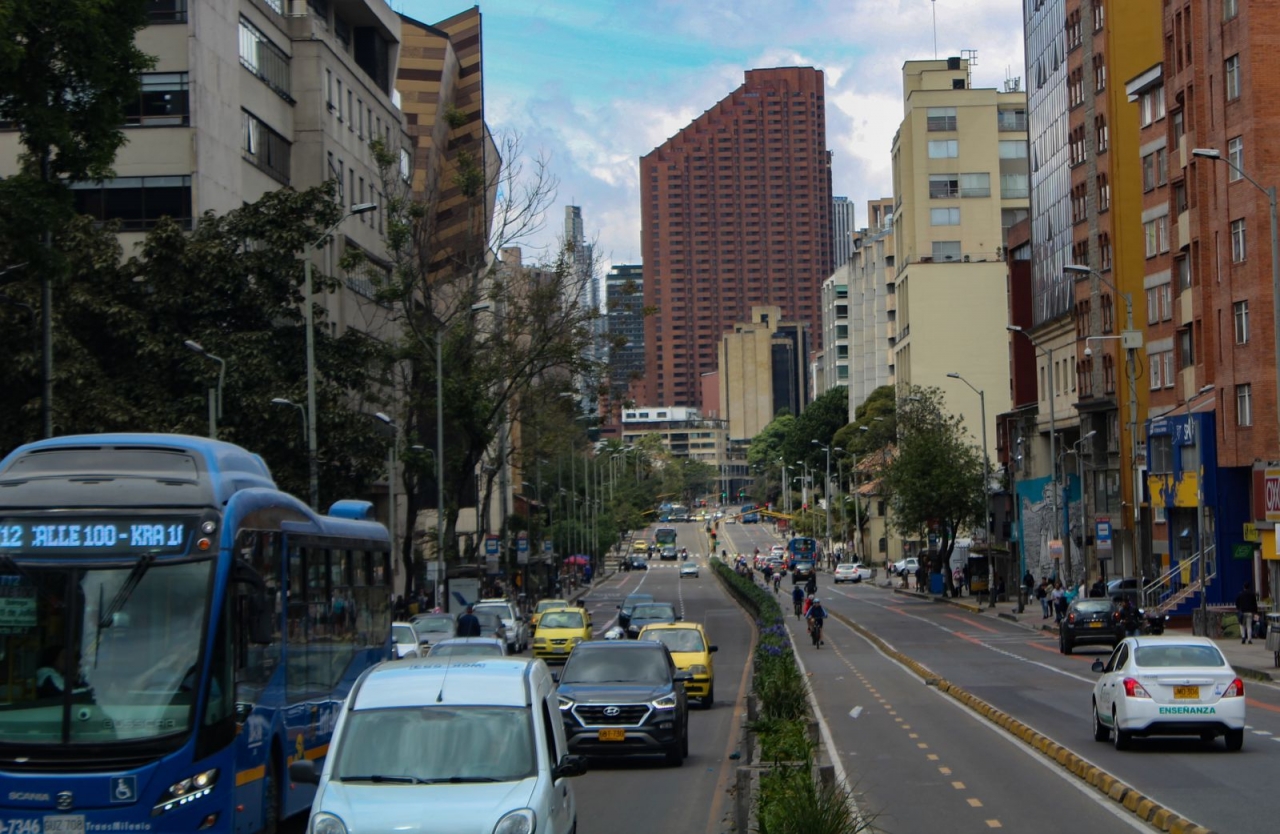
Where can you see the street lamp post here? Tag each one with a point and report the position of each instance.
(215, 394)
(309, 315)
(1053, 432)
(986, 488)
(1131, 340)
(306, 432)
(1215, 154)
(826, 488)
(391, 480)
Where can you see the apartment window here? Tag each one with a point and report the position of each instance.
(351, 116)
(1104, 252)
(341, 111)
(1183, 266)
(1099, 15)
(1073, 29)
(1102, 132)
(166, 11)
(1161, 454)
(1168, 369)
(342, 32)
(1014, 186)
(328, 88)
(1232, 77)
(1230, 8)
(1162, 234)
(137, 203)
(1013, 149)
(1166, 302)
(1157, 366)
(1108, 310)
(266, 149)
(944, 217)
(1104, 193)
(1108, 374)
(1149, 236)
(941, 118)
(1186, 349)
(1011, 120)
(1011, 217)
(1079, 203)
(1075, 88)
(1099, 73)
(943, 186)
(1149, 172)
(1151, 106)
(406, 165)
(264, 59)
(944, 149)
(946, 250)
(1235, 155)
(1162, 167)
(1153, 305)
(975, 185)
(1244, 405)
(162, 101)
(1240, 311)
(1237, 241)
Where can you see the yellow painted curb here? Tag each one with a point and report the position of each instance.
(1160, 819)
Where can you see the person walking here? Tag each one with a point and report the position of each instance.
(469, 623)
(920, 573)
(1059, 601)
(1247, 611)
(1029, 582)
(1042, 594)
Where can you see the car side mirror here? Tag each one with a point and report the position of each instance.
(305, 772)
(714, 649)
(682, 677)
(1098, 666)
(570, 766)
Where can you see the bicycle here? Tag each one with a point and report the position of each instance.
(777, 583)
(798, 604)
(815, 632)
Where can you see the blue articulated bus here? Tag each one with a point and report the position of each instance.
(174, 632)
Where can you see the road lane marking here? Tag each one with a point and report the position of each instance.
(969, 622)
(958, 785)
(994, 824)
(975, 802)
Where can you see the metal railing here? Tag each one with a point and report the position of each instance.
(1168, 589)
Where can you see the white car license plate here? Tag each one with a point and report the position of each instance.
(64, 824)
(558, 649)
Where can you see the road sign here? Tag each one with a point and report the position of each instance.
(522, 549)
(546, 546)
(491, 545)
(1251, 532)
(1102, 537)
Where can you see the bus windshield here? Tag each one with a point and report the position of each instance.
(122, 644)
(802, 547)
(665, 535)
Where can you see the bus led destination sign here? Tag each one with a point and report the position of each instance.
(94, 536)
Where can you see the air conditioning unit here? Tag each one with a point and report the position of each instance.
(926, 260)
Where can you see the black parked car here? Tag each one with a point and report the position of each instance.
(624, 610)
(1090, 622)
(621, 698)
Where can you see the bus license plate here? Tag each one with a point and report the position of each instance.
(1186, 693)
(609, 734)
(65, 824)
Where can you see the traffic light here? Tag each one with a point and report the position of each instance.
(742, 493)
(724, 496)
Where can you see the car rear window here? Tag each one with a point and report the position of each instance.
(1093, 606)
(1155, 657)
(561, 619)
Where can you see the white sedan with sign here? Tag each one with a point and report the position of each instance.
(1168, 686)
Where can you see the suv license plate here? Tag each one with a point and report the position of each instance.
(66, 824)
(609, 734)
(1186, 693)
(1095, 624)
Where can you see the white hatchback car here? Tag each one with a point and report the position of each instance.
(413, 752)
(1163, 686)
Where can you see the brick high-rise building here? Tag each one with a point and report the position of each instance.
(736, 213)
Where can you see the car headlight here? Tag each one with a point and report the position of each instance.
(188, 790)
(326, 823)
(565, 703)
(634, 628)
(576, 640)
(698, 669)
(665, 702)
(537, 641)
(523, 821)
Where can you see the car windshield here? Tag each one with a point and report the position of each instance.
(548, 604)
(433, 625)
(612, 665)
(122, 644)
(465, 650)
(500, 611)
(1155, 657)
(436, 744)
(403, 634)
(561, 619)
(678, 639)
(489, 620)
(634, 600)
(653, 612)
(1093, 606)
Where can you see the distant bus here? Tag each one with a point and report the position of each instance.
(664, 535)
(750, 514)
(803, 548)
(207, 625)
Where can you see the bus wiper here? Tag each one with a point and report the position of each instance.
(378, 778)
(131, 581)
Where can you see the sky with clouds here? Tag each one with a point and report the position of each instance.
(595, 84)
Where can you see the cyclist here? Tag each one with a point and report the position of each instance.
(797, 597)
(815, 617)
(777, 582)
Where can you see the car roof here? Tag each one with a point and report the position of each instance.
(576, 608)
(674, 627)
(477, 681)
(1172, 640)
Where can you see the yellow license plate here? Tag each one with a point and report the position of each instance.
(612, 734)
(1186, 693)
(1095, 624)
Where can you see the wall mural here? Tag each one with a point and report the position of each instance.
(1036, 528)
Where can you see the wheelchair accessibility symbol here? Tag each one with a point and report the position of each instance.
(124, 788)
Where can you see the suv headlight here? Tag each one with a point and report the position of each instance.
(523, 821)
(665, 702)
(326, 823)
(565, 703)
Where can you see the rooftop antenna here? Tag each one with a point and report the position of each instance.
(935, 29)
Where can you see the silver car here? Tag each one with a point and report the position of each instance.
(469, 647)
(689, 569)
(404, 639)
(517, 627)
(432, 628)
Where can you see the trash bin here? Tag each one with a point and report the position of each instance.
(1273, 636)
(937, 584)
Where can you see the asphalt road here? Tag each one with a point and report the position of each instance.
(647, 795)
(917, 760)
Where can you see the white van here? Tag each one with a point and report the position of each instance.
(478, 744)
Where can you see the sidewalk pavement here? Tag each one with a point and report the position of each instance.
(1250, 660)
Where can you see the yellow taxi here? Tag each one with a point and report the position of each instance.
(691, 652)
(639, 546)
(546, 605)
(559, 630)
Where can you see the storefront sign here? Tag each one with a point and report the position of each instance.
(1242, 551)
(1251, 532)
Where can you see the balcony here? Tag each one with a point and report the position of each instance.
(1011, 121)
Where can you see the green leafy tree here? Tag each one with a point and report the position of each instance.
(820, 421)
(878, 413)
(934, 480)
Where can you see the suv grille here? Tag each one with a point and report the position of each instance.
(593, 715)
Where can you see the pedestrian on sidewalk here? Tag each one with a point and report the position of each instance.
(1059, 602)
(1029, 582)
(920, 572)
(1247, 610)
(1042, 594)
